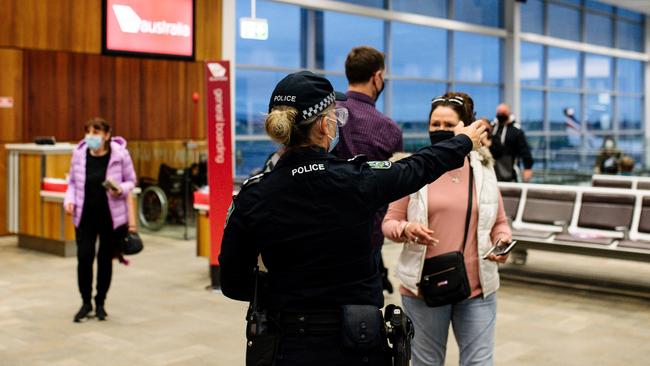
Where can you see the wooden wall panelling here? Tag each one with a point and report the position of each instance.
(198, 127)
(208, 29)
(144, 99)
(11, 85)
(8, 23)
(30, 191)
(64, 25)
(46, 82)
(127, 89)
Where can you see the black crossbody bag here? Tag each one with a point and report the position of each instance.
(444, 278)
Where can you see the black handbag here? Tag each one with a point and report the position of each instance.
(131, 244)
(444, 278)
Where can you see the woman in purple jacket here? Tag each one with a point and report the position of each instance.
(99, 161)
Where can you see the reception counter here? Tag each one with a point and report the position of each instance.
(36, 215)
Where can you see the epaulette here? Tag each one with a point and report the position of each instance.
(253, 180)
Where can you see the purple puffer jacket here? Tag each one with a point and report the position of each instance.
(120, 170)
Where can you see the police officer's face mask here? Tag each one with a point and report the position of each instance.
(335, 139)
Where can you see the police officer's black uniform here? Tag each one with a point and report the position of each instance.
(310, 218)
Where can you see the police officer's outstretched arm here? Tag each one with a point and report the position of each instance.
(409, 175)
(238, 257)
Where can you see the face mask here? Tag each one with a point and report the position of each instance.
(335, 139)
(94, 142)
(502, 118)
(440, 136)
(379, 91)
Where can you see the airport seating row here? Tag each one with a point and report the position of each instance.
(597, 221)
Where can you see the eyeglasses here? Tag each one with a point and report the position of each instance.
(341, 116)
(456, 100)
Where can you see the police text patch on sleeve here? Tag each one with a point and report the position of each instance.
(380, 164)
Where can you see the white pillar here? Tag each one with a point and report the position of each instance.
(511, 53)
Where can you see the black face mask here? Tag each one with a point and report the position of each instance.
(379, 91)
(440, 136)
(502, 118)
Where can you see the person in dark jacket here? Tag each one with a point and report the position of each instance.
(98, 210)
(609, 157)
(311, 219)
(510, 148)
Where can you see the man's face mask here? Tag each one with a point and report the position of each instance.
(380, 90)
(502, 118)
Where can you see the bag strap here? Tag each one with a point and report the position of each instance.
(470, 193)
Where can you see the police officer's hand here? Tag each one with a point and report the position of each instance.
(419, 233)
(475, 131)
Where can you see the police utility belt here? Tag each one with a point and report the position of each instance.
(361, 328)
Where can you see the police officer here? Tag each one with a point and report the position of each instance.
(310, 218)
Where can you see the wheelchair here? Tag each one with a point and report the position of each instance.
(169, 199)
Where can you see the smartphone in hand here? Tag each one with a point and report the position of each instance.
(500, 249)
(109, 184)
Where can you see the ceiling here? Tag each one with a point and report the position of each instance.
(642, 6)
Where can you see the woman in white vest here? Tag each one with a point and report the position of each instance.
(433, 221)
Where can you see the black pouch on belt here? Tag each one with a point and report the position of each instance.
(261, 350)
(361, 327)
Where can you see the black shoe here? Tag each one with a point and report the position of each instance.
(83, 312)
(100, 312)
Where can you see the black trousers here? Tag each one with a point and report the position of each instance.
(89, 229)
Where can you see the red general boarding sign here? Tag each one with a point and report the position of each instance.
(220, 150)
(164, 27)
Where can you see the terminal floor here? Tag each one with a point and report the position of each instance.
(160, 314)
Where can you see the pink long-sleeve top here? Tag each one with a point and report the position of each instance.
(447, 208)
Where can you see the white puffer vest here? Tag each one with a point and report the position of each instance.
(411, 260)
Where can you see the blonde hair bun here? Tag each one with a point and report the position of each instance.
(279, 123)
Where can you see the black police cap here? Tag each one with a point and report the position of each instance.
(309, 93)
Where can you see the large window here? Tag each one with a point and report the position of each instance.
(282, 49)
(434, 8)
(484, 12)
(418, 62)
(357, 30)
(584, 21)
(418, 51)
(572, 101)
(477, 58)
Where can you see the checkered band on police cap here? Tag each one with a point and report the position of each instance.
(309, 93)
